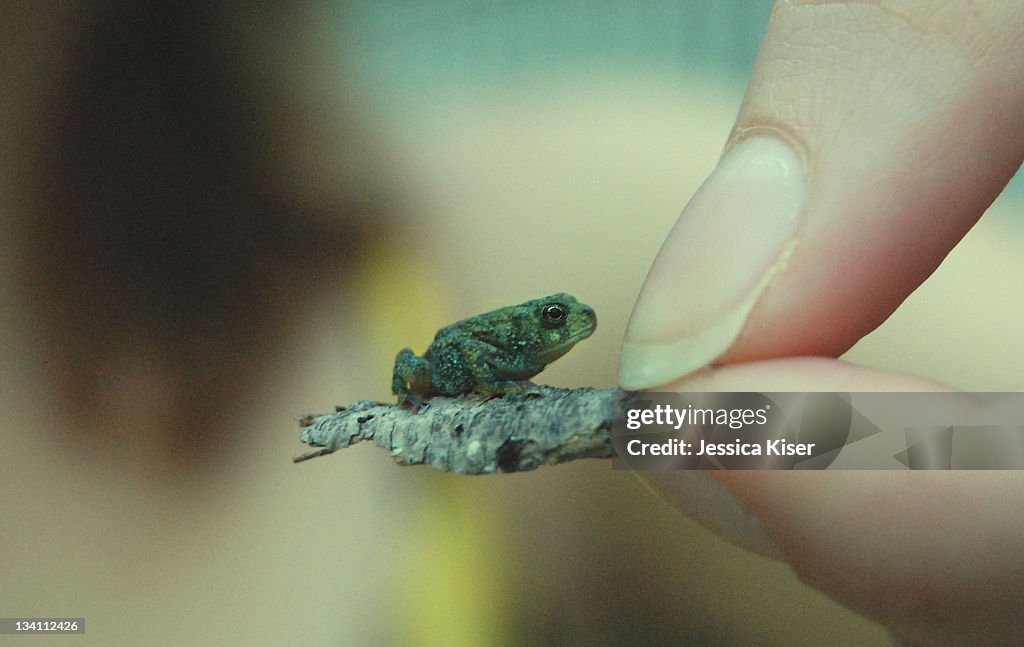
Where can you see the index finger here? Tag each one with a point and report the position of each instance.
(869, 142)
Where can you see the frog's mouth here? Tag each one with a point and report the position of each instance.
(566, 345)
(552, 354)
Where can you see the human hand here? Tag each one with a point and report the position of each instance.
(871, 139)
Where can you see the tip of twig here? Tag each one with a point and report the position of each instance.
(323, 451)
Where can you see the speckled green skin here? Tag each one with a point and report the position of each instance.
(496, 352)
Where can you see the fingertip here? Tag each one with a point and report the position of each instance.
(732, 239)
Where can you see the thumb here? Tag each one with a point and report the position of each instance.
(845, 183)
(933, 556)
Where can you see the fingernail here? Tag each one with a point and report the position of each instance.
(707, 501)
(730, 241)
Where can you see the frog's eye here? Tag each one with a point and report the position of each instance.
(554, 314)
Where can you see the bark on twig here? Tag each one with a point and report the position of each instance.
(471, 434)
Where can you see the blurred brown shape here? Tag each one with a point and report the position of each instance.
(167, 255)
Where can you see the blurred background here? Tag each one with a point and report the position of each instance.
(216, 218)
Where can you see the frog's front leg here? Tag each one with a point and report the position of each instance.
(495, 371)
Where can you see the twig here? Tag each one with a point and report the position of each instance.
(471, 434)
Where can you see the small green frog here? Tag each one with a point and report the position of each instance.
(496, 352)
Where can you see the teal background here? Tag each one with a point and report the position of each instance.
(409, 54)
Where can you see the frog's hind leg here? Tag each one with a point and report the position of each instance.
(411, 378)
